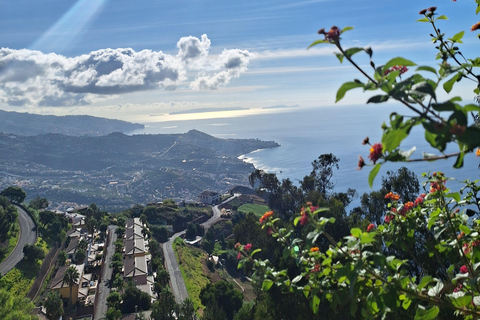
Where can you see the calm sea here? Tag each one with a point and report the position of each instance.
(304, 134)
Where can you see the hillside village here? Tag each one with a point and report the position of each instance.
(120, 270)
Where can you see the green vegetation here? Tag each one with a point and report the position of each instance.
(190, 262)
(257, 209)
(15, 307)
(12, 235)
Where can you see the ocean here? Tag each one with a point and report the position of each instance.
(306, 133)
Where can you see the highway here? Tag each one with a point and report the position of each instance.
(27, 236)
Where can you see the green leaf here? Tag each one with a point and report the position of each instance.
(427, 68)
(460, 302)
(458, 37)
(373, 174)
(356, 232)
(471, 107)
(306, 291)
(315, 303)
(425, 87)
(448, 85)
(398, 61)
(314, 43)
(442, 17)
(350, 52)
(267, 284)
(378, 99)
(255, 251)
(422, 20)
(471, 137)
(339, 56)
(455, 195)
(459, 162)
(345, 29)
(345, 87)
(464, 228)
(424, 282)
(423, 313)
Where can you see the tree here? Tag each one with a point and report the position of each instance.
(14, 194)
(53, 304)
(403, 182)
(39, 203)
(322, 172)
(188, 310)
(71, 278)
(62, 258)
(114, 299)
(114, 314)
(132, 296)
(80, 255)
(163, 277)
(32, 252)
(224, 295)
(191, 232)
(165, 307)
(13, 307)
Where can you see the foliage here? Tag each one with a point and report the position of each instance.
(14, 194)
(52, 226)
(38, 203)
(190, 261)
(19, 280)
(132, 296)
(71, 277)
(421, 258)
(165, 308)
(32, 252)
(53, 304)
(8, 217)
(444, 122)
(223, 295)
(15, 307)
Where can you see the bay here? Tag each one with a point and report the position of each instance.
(306, 133)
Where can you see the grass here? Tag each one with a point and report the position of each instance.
(257, 209)
(13, 236)
(190, 262)
(19, 280)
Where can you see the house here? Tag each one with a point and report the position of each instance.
(134, 222)
(135, 247)
(134, 233)
(136, 270)
(59, 285)
(208, 197)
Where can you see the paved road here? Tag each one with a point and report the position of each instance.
(103, 288)
(179, 289)
(27, 236)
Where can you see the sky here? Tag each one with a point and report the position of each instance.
(142, 60)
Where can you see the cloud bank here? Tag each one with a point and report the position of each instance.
(33, 78)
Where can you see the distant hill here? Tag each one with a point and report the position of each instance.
(119, 170)
(27, 124)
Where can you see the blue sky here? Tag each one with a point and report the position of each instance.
(140, 60)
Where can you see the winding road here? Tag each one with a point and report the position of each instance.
(28, 235)
(179, 289)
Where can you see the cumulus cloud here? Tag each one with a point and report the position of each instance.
(231, 63)
(30, 77)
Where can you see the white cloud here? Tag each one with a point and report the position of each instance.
(32, 78)
(230, 63)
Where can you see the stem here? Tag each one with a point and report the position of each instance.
(376, 83)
